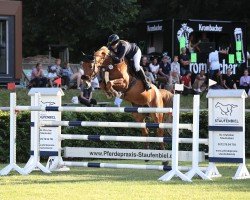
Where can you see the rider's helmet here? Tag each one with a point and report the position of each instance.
(113, 39)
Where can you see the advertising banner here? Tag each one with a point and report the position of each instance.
(231, 34)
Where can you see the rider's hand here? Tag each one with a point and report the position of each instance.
(116, 59)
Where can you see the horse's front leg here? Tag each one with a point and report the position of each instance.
(108, 94)
(116, 85)
(111, 89)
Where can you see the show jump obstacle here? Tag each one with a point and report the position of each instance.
(46, 136)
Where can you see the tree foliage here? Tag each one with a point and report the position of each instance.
(82, 24)
(85, 24)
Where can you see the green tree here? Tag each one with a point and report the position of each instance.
(82, 24)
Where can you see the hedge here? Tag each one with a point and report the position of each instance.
(23, 132)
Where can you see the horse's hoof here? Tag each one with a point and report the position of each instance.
(118, 94)
(165, 163)
(108, 96)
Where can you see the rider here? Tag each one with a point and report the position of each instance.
(123, 49)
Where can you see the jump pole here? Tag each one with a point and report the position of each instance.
(195, 146)
(175, 145)
(12, 165)
(34, 163)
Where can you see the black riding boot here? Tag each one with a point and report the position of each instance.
(142, 76)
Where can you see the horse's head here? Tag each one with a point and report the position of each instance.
(217, 105)
(92, 65)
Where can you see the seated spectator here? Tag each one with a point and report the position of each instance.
(184, 61)
(147, 70)
(67, 76)
(218, 78)
(174, 78)
(164, 72)
(245, 81)
(154, 67)
(80, 69)
(199, 82)
(37, 77)
(228, 80)
(54, 72)
(95, 83)
(186, 81)
(175, 65)
(85, 96)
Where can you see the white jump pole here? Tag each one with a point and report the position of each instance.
(12, 165)
(175, 144)
(35, 162)
(195, 146)
(212, 171)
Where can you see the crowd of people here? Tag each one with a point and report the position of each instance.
(67, 76)
(165, 74)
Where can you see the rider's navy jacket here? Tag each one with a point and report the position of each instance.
(124, 50)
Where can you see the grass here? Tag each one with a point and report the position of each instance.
(92, 183)
(24, 99)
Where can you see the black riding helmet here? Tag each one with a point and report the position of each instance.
(113, 39)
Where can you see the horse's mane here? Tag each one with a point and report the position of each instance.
(102, 50)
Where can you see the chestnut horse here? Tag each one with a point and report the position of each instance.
(118, 80)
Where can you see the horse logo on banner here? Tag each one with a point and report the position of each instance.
(225, 109)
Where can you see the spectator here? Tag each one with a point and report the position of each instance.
(245, 81)
(204, 37)
(228, 80)
(174, 78)
(146, 68)
(164, 71)
(199, 81)
(54, 72)
(184, 61)
(154, 67)
(68, 75)
(175, 65)
(218, 78)
(193, 46)
(80, 69)
(186, 81)
(213, 63)
(37, 77)
(95, 83)
(85, 96)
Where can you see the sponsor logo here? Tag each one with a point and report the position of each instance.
(154, 28)
(210, 28)
(197, 67)
(226, 120)
(47, 117)
(184, 31)
(48, 103)
(225, 109)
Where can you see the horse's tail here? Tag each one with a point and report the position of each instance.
(167, 98)
(234, 106)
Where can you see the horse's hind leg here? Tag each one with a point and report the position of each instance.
(158, 118)
(141, 118)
